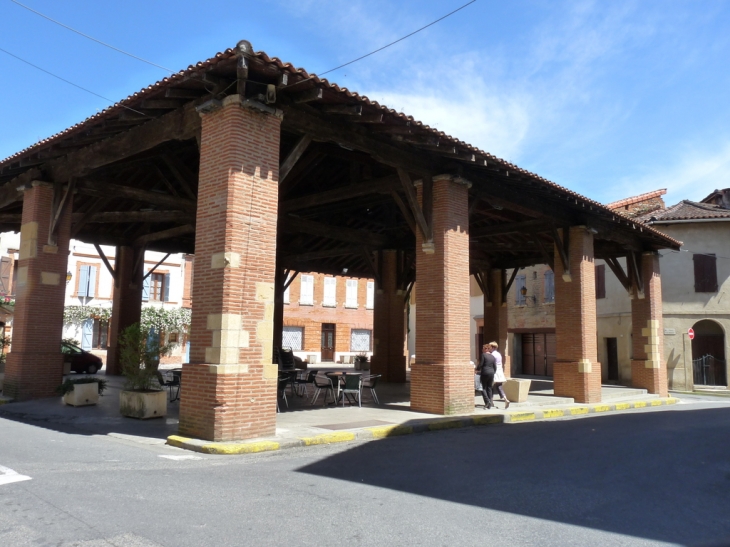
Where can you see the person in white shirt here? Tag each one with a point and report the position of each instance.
(499, 377)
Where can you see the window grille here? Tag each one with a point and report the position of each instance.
(360, 340)
(292, 337)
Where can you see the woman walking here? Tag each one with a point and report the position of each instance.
(499, 377)
(486, 370)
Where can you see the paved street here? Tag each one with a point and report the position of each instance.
(639, 478)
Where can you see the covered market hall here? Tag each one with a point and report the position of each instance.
(262, 170)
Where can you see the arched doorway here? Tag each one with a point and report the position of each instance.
(708, 354)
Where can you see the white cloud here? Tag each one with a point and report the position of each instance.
(693, 175)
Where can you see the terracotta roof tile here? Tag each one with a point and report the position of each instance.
(686, 210)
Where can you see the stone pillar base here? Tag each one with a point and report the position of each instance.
(645, 376)
(579, 380)
(33, 375)
(223, 404)
(442, 389)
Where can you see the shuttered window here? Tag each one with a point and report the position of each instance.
(600, 281)
(549, 286)
(306, 293)
(6, 265)
(87, 281)
(705, 272)
(370, 298)
(519, 285)
(330, 292)
(351, 294)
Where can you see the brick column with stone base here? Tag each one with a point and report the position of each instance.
(34, 367)
(442, 379)
(648, 370)
(576, 372)
(229, 387)
(496, 317)
(389, 324)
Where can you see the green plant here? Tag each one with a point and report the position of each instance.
(139, 354)
(68, 385)
(4, 343)
(71, 341)
(361, 358)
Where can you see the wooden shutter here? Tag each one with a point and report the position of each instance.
(146, 288)
(601, 281)
(520, 282)
(83, 281)
(549, 286)
(705, 266)
(6, 264)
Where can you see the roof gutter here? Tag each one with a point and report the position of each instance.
(696, 221)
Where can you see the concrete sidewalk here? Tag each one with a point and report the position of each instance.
(303, 424)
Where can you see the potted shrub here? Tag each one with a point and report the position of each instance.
(139, 354)
(361, 362)
(82, 391)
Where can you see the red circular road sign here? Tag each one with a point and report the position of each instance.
(691, 333)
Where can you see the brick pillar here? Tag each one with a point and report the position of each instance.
(442, 380)
(279, 281)
(229, 387)
(35, 366)
(495, 318)
(389, 323)
(648, 370)
(577, 373)
(127, 303)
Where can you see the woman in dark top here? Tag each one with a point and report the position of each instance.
(486, 369)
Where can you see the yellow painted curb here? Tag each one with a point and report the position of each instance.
(657, 403)
(177, 440)
(486, 420)
(240, 448)
(445, 424)
(672, 401)
(601, 408)
(329, 438)
(622, 406)
(639, 404)
(390, 431)
(521, 416)
(579, 410)
(553, 413)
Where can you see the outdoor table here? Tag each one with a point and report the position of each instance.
(337, 377)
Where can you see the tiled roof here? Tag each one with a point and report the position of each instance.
(300, 76)
(636, 199)
(686, 210)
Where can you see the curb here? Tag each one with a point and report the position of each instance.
(396, 430)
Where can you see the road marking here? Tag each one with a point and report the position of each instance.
(7, 476)
(177, 458)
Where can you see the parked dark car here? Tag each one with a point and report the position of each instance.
(81, 360)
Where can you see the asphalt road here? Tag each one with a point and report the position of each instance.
(633, 478)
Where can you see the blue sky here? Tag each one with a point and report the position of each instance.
(609, 99)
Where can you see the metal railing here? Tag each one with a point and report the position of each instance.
(709, 371)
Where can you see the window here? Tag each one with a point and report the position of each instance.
(6, 266)
(600, 281)
(351, 294)
(156, 287)
(86, 281)
(549, 286)
(293, 338)
(173, 338)
(330, 292)
(306, 293)
(519, 285)
(360, 340)
(705, 272)
(370, 299)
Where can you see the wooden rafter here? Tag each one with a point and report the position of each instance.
(164, 234)
(618, 271)
(293, 157)
(377, 186)
(105, 189)
(563, 247)
(412, 199)
(508, 286)
(337, 233)
(105, 260)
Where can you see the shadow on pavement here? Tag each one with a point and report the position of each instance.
(660, 475)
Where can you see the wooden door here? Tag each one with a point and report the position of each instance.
(528, 354)
(328, 342)
(612, 356)
(551, 352)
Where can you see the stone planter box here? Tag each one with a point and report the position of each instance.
(82, 395)
(517, 389)
(143, 404)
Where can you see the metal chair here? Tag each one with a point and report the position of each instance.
(303, 383)
(353, 386)
(370, 382)
(172, 385)
(323, 383)
(281, 384)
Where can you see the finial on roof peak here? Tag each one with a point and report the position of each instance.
(244, 47)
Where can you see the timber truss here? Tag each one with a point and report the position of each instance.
(347, 178)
